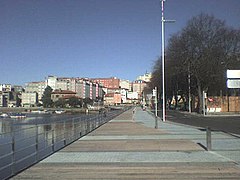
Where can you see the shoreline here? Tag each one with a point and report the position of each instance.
(29, 110)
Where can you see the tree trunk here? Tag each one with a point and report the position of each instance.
(176, 101)
(200, 98)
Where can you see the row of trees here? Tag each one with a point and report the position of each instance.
(61, 103)
(200, 52)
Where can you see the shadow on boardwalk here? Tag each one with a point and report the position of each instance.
(128, 147)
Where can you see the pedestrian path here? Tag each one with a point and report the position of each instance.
(129, 147)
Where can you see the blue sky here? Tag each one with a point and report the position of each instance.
(92, 38)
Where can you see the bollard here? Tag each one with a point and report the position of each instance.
(156, 122)
(73, 131)
(52, 140)
(13, 152)
(209, 138)
(64, 133)
(36, 143)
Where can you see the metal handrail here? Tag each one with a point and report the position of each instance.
(49, 139)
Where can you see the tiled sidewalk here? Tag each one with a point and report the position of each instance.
(129, 147)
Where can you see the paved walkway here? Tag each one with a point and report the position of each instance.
(129, 147)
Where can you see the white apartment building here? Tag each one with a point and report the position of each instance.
(132, 95)
(124, 95)
(138, 86)
(84, 88)
(52, 82)
(3, 100)
(29, 99)
(146, 77)
(125, 84)
(62, 83)
(66, 84)
(5, 87)
(38, 87)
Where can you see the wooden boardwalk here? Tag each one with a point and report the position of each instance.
(127, 149)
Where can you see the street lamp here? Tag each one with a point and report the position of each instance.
(163, 62)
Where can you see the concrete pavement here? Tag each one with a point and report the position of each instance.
(129, 147)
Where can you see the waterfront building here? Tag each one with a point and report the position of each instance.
(112, 99)
(125, 84)
(9, 95)
(124, 95)
(93, 91)
(3, 100)
(58, 94)
(146, 77)
(65, 83)
(100, 92)
(62, 84)
(113, 90)
(17, 89)
(138, 86)
(5, 87)
(29, 99)
(80, 88)
(90, 90)
(38, 87)
(51, 81)
(87, 89)
(109, 83)
(97, 90)
(84, 88)
(6, 97)
(132, 97)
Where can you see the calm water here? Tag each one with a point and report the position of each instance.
(43, 130)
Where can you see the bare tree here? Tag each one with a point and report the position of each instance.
(205, 48)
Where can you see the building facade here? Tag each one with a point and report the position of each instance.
(52, 82)
(5, 87)
(3, 100)
(110, 83)
(58, 94)
(138, 86)
(112, 99)
(125, 84)
(84, 88)
(38, 87)
(146, 77)
(29, 99)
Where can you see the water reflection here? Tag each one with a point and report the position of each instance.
(24, 142)
(20, 139)
(7, 125)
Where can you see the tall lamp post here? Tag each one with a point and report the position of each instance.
(163, 66)
(163, 62)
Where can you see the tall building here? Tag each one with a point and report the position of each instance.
(5, 87)
(146, 77)
(52, 82)
(125, 84)
(110, 83)
(80, 88)
(17, 89)
(65, 83)
(3, 99)
(29, 99)
(58, 94)
(138, 86)
(112, 99)
(84, 88)
(124, 95)
(38, 87)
